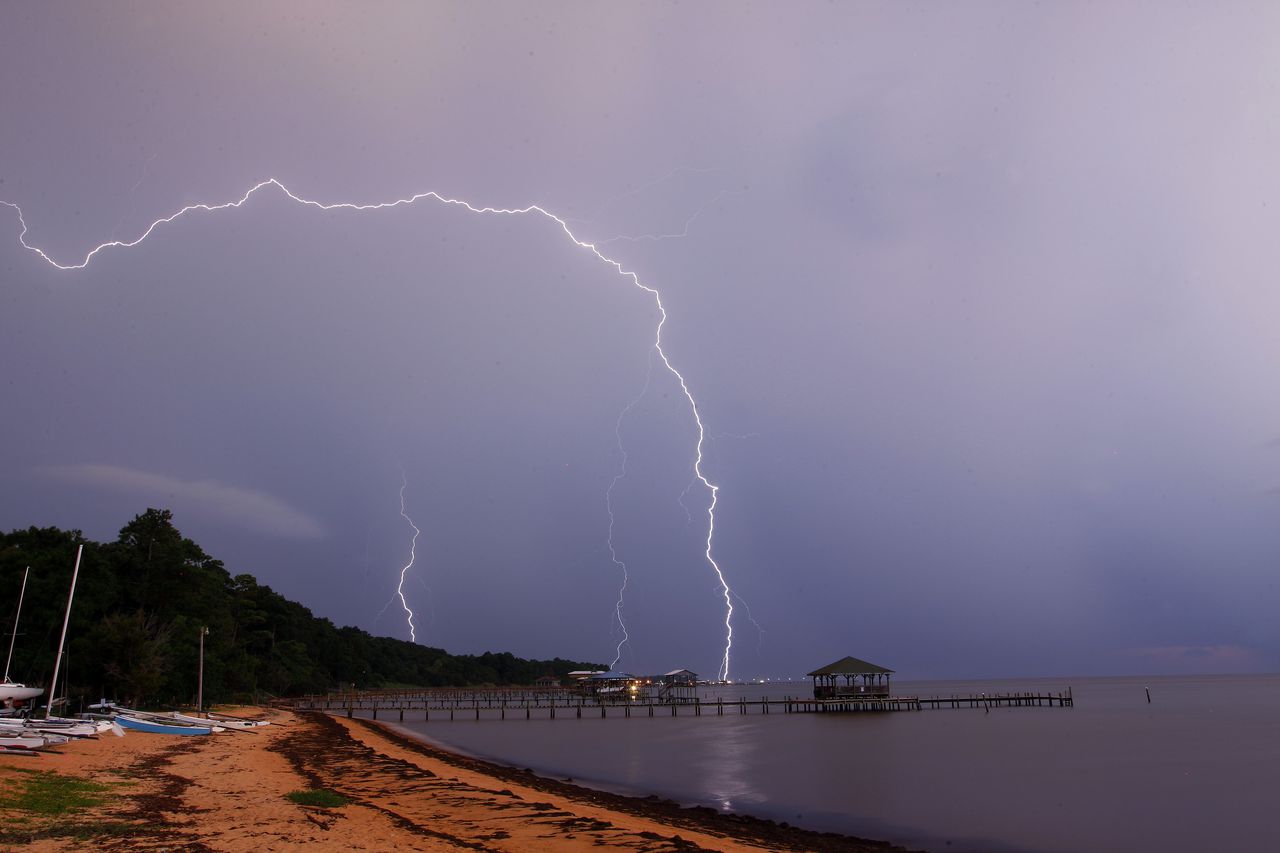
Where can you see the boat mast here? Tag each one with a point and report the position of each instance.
(53, 685)
(14, 636)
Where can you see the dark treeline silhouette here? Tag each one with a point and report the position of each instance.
(141, 601)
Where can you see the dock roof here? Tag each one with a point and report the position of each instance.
(849, 666)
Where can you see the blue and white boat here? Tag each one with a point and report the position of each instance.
(162, 728)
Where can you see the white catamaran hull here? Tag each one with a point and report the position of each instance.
(10, 691)
(226, 724)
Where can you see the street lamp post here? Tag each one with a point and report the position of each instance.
(200, 689)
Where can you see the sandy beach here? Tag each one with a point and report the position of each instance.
(228, 793)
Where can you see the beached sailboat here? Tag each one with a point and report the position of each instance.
(232, 724)
(163, 722)
(171, 728)
(12, 694)
(24, 741)
(32, 741)
(223, 719)
(68, 728)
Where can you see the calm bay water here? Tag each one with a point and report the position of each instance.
(1196, 769)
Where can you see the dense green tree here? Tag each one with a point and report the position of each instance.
(134, 652)
(142, 600)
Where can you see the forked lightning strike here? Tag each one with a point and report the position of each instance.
(591, 247)
(608, 503)
(413, 555)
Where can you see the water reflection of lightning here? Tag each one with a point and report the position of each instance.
(712, 489)
(608, 503)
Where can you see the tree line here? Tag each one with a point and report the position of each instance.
(141, 601)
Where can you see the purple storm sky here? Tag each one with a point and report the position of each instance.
(978, 301)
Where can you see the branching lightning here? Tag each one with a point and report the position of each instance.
(532, 209)
(413, 555)
(675, 235)
(608, 502)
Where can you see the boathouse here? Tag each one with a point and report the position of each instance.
(611, 684)
(680, 676)
(678, 685)
(850, 678)
(547, 681)
(579, 676)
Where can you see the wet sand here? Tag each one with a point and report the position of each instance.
(227, 793)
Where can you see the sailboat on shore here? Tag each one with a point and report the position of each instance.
(12, 694)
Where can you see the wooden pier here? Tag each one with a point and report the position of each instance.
(512, 704)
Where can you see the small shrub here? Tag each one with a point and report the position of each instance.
(320, 797)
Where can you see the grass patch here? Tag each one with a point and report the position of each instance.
(321, 797)
(45, 793)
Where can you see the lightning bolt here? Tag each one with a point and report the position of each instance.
(608, 502)
(413, 545)
(529, 210)
(675, 235)
(413, 554)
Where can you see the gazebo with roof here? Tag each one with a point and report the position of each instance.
(678, 685)
(850, 677)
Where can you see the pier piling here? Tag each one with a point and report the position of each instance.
(548, 704)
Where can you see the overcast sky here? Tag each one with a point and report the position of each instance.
(977, 300)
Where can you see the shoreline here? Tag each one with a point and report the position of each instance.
(227, 792)
(767, 833)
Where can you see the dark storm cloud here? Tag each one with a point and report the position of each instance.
(987, 285)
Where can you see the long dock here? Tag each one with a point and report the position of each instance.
(518, 704)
